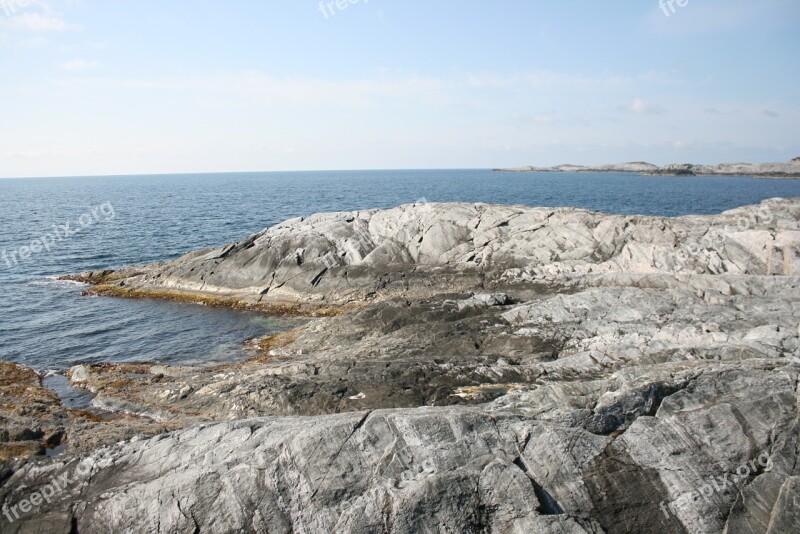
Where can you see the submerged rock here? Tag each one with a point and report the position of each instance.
(489, 369)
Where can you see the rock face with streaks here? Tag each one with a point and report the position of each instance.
(427, 249)
(494, 369)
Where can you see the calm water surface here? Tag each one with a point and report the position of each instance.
(48, 325)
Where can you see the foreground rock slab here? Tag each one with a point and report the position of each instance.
(706, 441)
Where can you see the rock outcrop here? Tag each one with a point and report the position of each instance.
(476, 369)
(426, 249)
(790, 169)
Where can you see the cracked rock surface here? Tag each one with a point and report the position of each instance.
(496, 369)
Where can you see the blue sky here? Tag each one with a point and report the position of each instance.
(127, 87)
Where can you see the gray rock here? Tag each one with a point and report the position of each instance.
(505, 369)
(423, 250)
(484, 300)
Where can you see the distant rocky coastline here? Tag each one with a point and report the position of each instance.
(790, 169)
(462, 368)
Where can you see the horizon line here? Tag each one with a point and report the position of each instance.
(188, 173)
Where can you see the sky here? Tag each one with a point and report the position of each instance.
(91, 87)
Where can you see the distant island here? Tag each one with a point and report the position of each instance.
(759, 170)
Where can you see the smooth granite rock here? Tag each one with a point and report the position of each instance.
(494, 369)
(426, 249)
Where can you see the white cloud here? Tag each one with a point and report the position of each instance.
(312, 90)
(269, 89)
(31, 16)
(641, 107)
(546, 78)
(35, 22)
(535, 119)
(33, 154)
(78, 65)
(356, 92)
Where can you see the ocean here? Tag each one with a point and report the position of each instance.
(89, 223)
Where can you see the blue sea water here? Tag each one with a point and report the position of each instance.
(135, 219)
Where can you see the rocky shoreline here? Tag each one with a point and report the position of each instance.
(790, 169)
(463, 368)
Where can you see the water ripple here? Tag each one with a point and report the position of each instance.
(47, 324)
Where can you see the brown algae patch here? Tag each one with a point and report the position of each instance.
(20, 385)
(203, 299)
(32, 418)
(274, 346)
